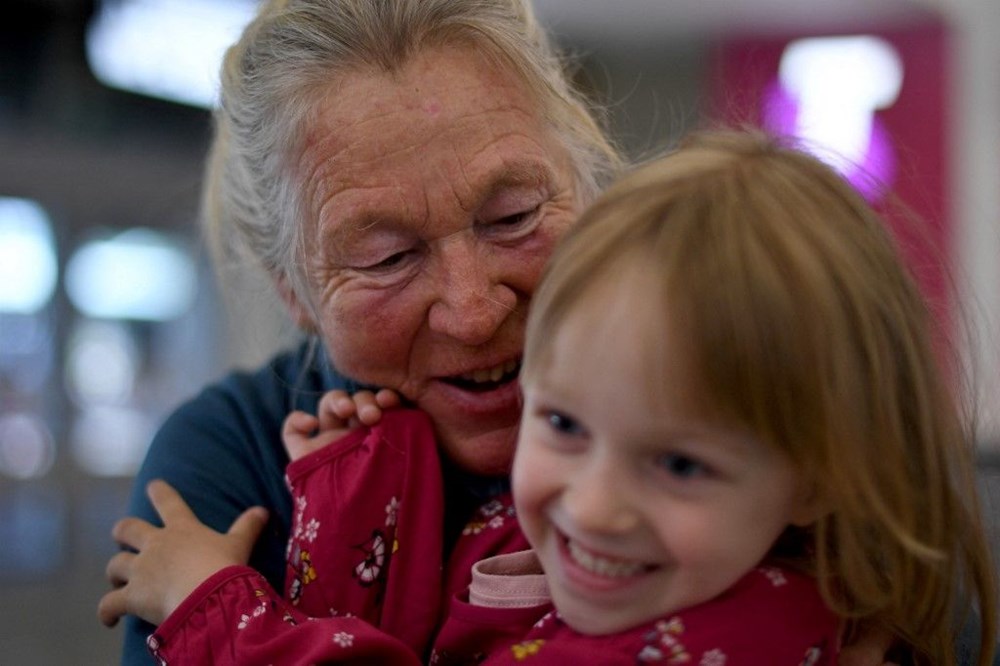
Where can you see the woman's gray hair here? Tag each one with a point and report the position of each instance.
(292, 49)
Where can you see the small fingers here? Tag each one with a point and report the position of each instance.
(168, 502)
(132, 532)
(112, 607)
(299, 424)
(118, 569)
(296, 433)
(335, 410)
(367, 408)
(248, 526)
(387, 399)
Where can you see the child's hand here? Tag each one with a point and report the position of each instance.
(171, 560)
(338, 412)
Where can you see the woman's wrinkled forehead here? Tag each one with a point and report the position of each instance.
(434, 129)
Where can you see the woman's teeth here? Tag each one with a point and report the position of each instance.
(603, 566)
(493, 374)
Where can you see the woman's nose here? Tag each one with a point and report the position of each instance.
(470, 301)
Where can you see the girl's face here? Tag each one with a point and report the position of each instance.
(637, 504)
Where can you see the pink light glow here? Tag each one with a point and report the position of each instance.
(872, 177)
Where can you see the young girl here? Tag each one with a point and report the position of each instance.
(735, 439)
(727, 362)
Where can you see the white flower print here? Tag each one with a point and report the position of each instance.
(343, 639)
(311, 530)
(256, 612)
(713, 658)
(775, 575)
(812, 657)
(368, 570)
(650, 653)
(545, 619)
(391, 509)
(496, 522)
(153, 643)
(491, 508)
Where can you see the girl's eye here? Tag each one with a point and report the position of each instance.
(681, 466)
(563, 424)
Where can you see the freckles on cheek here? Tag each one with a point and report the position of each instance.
(369, 341)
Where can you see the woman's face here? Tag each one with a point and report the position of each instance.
(434, 196)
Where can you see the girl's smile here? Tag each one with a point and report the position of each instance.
(637, 503)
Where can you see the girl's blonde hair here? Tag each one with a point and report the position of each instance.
(806, 328)
(271, 80)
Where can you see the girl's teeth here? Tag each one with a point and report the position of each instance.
(602, 566)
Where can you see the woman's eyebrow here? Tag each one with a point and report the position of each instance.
(527, 173)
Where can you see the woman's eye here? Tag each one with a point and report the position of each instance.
(390, 262)
(514, 225)
(516, 218)
(682, 466)
(563, 424)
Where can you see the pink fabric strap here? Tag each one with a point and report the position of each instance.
(511, 580)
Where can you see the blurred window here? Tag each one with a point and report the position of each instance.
(27, 257)
(136, 274)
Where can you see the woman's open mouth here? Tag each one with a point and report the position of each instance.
(489, 379)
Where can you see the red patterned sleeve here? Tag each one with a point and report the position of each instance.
(366, 536)
(235, 617)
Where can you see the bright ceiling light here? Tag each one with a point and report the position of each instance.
(171, 49)
(28, 268)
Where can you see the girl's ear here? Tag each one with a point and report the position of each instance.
(300, 314)
(810, 505)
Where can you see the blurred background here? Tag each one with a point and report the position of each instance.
(110, 314)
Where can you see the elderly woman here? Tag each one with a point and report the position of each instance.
(402, 170)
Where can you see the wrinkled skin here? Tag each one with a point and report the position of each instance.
(434, 197)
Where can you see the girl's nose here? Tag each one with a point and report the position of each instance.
(598, 500)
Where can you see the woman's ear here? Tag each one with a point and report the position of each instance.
(300, 314)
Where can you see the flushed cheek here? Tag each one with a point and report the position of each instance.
(371, 338)
(534, 484)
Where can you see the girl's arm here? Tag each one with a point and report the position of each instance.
(165, 564)
(231, 615)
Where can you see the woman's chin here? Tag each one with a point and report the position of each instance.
(483, 454)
